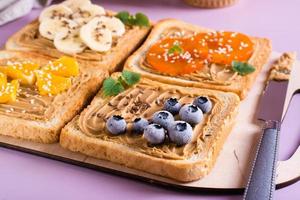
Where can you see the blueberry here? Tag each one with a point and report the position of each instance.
(139, 125)
(203, 103)
(163, 118)
(191, 114)
(172, 105)
(116, 125)
(180, 132)
(154, 134)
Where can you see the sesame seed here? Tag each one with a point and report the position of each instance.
(233, 34)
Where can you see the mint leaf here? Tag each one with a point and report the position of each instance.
(175, 48)
(111, 87)
(242, 68)
(141, 20)
(123, 16)
(130, 78)
(131, 20)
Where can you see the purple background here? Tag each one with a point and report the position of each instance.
(24, 176)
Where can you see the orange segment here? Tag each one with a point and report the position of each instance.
(50, 84)
(225, 47)
(23, 71)
(175, 56)
(64, 66)
(9, 93)
(3, 80)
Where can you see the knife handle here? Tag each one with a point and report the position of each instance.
(261, 185)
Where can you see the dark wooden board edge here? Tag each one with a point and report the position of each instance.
(169, 186)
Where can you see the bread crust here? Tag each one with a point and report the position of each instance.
(66, 105)
(241, 87)
(74, 139)
(28, 39)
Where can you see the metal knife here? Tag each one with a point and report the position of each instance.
(261, 185)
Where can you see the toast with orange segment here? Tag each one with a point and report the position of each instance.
(37, 101)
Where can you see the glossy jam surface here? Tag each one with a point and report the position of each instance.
(225, 47)
(177, 56)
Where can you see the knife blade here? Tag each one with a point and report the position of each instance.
(261, 184)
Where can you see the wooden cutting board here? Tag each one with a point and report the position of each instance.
(232, 167)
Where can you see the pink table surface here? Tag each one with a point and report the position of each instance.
(24, 176)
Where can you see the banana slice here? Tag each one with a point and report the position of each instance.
(69, 42)
(49, 27)
(113, 24)
(55, 12)
(85, 13)
(75, 4)
(96, 37)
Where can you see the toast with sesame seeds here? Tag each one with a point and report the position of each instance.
(211, 76)
(87, 132)
(40, 118)
(29, 39)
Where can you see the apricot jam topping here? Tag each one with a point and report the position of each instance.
(175, 56)
(225, 47)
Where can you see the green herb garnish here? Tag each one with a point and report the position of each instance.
(123, 16)
(175, 48)
(242, 68)
(139, 19)
(130, 78)
(112, 87)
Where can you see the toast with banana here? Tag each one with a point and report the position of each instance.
(167, 130)
(85, 31)
(39, 94)
(176, 52)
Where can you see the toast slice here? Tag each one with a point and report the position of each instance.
(207, 78)
(87, 133)
(41, 118)
(29, 39)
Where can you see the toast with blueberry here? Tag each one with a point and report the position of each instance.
(39, 94)
(162, 129)
(176, 52)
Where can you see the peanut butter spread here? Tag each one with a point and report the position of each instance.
(31, 38)
(29, 105)
(281, 68)
(143, 100)
(212, 73)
